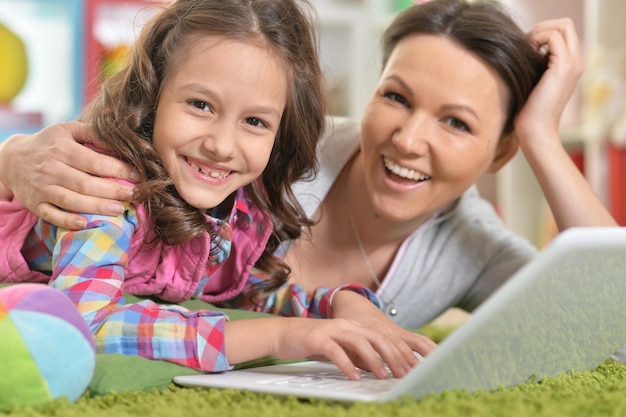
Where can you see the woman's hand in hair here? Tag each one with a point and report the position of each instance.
(50, 172)
(541, 116)
(571, 199)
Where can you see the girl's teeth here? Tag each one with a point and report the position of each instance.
(404, 172)
(212, 174)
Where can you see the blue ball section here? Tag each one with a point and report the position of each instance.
(55, 335)
(65, 359)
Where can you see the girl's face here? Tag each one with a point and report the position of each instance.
(217, 117)
(431, 128)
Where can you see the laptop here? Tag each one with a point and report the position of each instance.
(563, 311)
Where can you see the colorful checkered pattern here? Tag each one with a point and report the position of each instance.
(88, 266)
(293, 300)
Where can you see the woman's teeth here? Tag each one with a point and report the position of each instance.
(404, 172)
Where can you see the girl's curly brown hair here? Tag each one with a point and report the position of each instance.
(123, 113)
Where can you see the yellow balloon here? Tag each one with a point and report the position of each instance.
(13, 65)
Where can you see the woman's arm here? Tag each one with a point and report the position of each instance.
(62, 174)
(571, 199)
(89, 266)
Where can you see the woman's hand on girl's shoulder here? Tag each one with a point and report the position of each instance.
(63, 177)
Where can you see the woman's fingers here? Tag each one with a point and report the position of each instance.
(542, 112)
(64, 175)
(85, 159)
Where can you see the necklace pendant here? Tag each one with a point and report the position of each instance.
(393, 311)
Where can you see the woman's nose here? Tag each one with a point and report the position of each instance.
(412, 135)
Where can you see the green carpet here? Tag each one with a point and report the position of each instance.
(600, 392)
(597, 393)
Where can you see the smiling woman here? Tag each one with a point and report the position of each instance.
(424, 141)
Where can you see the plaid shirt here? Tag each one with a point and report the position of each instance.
(89, 267)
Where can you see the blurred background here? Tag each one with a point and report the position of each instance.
(54, 53)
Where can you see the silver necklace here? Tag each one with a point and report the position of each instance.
(358, 237)
(391, 310)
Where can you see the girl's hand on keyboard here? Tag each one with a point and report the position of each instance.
(347, 343)
(401, 344)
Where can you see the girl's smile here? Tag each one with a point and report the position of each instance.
(208, 171)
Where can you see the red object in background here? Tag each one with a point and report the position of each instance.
(578, 156)
(617, 182)
(94, 50)
(11, 119)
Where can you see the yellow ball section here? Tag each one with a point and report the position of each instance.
(13, 65)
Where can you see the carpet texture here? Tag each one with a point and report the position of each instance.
(601, 392)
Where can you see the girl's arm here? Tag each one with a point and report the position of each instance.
(62, 174)
(571, 199)
(88, 266)
(346, 343)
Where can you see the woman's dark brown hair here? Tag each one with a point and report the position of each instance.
(484, 29)
(123, 113)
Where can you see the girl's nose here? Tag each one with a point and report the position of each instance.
(221, 142)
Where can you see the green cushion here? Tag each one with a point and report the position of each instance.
(117, 373)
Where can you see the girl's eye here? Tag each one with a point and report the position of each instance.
(202, 105)
(457, 124)
(396, 97)
(253, 121)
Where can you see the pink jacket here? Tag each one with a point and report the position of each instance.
(171, 273)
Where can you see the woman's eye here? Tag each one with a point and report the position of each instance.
(457, 124)
(202, 105)
(396, 97)
(253, 121)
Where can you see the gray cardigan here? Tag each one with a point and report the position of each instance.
(456, 259)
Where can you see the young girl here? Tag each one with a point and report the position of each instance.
(219, 111)
(394, 202)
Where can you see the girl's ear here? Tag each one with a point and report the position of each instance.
(507, 148)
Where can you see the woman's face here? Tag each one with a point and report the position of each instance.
(431, 128)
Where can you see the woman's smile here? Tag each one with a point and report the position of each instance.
(394, 169)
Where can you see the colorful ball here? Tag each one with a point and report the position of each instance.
(46, 348)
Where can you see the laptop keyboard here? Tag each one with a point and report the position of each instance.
(337, 380)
